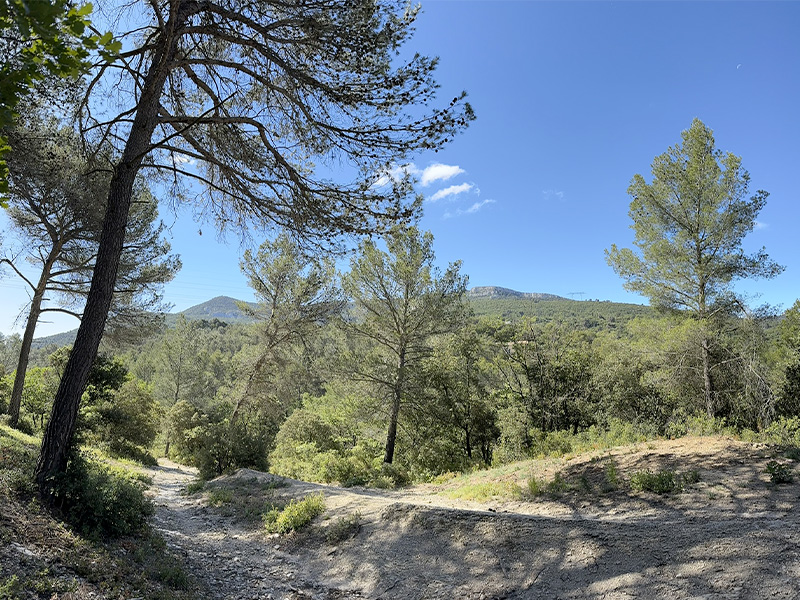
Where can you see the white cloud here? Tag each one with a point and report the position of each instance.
(478, 205)
(759, 225)
(396, 173)
(453, 190)
(553, 195)
(439, 172)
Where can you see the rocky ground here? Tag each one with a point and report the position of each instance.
(732, 534)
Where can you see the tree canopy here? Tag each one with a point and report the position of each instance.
(258, 101)
(689, 225)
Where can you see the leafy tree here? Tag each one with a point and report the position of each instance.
(689, 224)
(458, 373)
(547, 371)
(789, 332)
(242, 96)
(296, 296)
(41, 39)
(400, 301)
(56, 207)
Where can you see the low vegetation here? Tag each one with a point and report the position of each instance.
(106, 547)
(295, 515)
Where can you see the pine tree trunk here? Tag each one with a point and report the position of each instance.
(708, 383)
(397, 397)
(391, 435)
(27, 337)
(61, 427)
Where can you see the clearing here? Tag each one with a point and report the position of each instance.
(731, 532)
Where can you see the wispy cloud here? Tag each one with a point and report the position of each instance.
(759, 225)
(553, 195)
(469, 211)
(439, 172)
(453, 190)
(478, 205)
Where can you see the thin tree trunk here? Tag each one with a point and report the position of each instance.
(61, 427)
(708, 383)
(391, 436)
(397, 397)
(27, 337)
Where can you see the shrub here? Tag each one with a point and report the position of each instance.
(779, 472)
(344, 528)
(216, 445)
(611, 479)
(662, 482)
(295, 515)
(100, 502)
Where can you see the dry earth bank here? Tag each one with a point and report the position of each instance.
(732, 534)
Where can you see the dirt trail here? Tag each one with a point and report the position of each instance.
(733, 535)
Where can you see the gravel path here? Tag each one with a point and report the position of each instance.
(734, 535)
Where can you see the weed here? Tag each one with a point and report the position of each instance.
(779, 472)
(220, 496)
(690, 477)
(193, 487)
(792, 453)
(558, 485)
(662, 482)
(10, 587)
(536, 486)
(344, 528)
(295, 515)
(611, 479)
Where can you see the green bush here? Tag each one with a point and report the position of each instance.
(611, 479)
(779, 472)
(663, 482)
(214, 443)
(295, 515)
(100, 502)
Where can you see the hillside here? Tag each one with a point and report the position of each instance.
(486, 301)
(727, 532)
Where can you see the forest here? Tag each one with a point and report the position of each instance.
(364, 361)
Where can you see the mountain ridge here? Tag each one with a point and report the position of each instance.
(225, 308)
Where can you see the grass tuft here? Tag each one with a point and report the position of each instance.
(295, 515)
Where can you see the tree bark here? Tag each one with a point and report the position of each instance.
(397, 397)
(61, 427)
(708, 382)
(27, 337)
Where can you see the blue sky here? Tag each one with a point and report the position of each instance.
(572, 99)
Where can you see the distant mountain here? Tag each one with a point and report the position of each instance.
(493, 291)
(223, 308)
(490, 300)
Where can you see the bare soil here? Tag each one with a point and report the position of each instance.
(733, 534)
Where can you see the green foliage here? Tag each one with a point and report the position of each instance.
(295, 515)
(220, 496)
(662, 482)
(779, 472)
(343, 529)
(42, 39)
(611, 480)
(216, 444)
(10, 588)
(18, 454)
(125, 423)
(100, 502)
(194, 487)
